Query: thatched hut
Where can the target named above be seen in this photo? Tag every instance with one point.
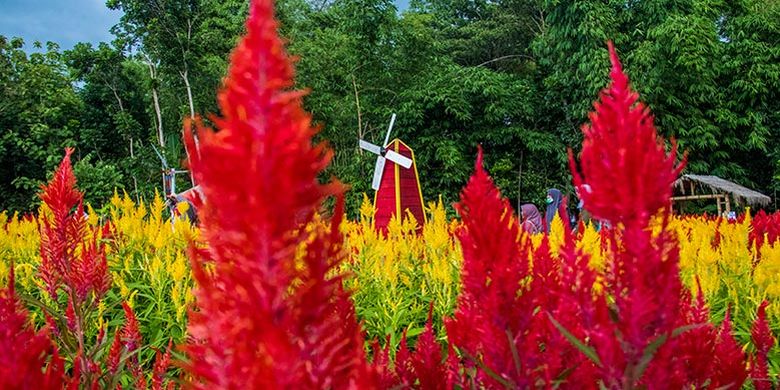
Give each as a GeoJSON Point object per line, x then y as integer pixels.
{"type": "Point", "coordinates": [696, 187]}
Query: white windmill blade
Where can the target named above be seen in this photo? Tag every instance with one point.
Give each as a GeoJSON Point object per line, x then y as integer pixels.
{"type": "Point", "coordinates": [389, 129]}
{"type": "Point", "coordinates": [370, 147]}
{"type": "Point", "coordinates": [398, 159]}
{"type": "Point", "coordinates": [162, 158]}
{"type": "Point", "coordinates": [379, 169]}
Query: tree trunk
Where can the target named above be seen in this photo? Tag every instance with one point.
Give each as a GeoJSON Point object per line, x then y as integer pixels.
{"type": "Point", "coordinates": [118, 99]}
{"type": "Point", "coordinates": [156, 100]}
{"type": "Point", "coordinates": [185, 76]}
{"type": "Point", "coordinates": [158, 112]}
{"type": "Point", "coordinates": [359, 118]}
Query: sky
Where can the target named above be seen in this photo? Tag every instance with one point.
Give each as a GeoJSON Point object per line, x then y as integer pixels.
{"type": "Point", "coordinates": [65, 22]}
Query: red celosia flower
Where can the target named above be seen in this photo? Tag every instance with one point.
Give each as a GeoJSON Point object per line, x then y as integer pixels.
{"type": "Point", "coordinates": [764, 229]}
{"type": "Point", "coordinates": [631, 175]}
{"type": "Point", "coordinates": [691, 345]}
{"type": "Point", "coordinates": [729, 366]}
{"type": "Point", "coordinates": [75, 380]}
{"type": "Point", "coordinates": [107, 231]}
{"type": "Point", "coordinates": [567, 293]}
{"type": "Point", "coordinates": [131, 340]}
{"type": "Point", "coordinates": [763, 341]}
{"type": "Point", "coordinates": [496, 321]}
{"type": "Point", "coordinates": [52, 326]}
{"type": "Point", "coordinates": [717, 238]}
{"type": "Point", "coordinates": [403, 364]}
{"type": "Point", "coordinates": [161, 363]}
{"type": "Point", "coordinates": [115, 353]}
{"type": "Point", "coordinates": [383, 365]}
{"type": "Point", "coordinates": [28, 360]}
{"type": "Point", "coordinates": [423, 369]}
{"type": "Point", "coordinates": [68, 257]}
{"type": "Point", "coordinates": [427, 362]}
{"type": "Point", "coordinates": [131, 335]}
{"type": "Point", "coordinates": [623, 159]}
{"type": "Point", "coordinates": [262, 319]}
{"type": "Point", "coordinates": [70, 316]}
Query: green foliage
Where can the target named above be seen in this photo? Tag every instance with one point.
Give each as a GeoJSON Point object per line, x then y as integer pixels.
{"type": "Point", "coordinates": [38, 118]}
{"type": "Point", "coordinates": [97, 180]}
{"type": "Point", "coordinates": [516, 76]}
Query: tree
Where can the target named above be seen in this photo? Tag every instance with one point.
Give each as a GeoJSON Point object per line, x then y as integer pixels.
{"type": "Point", "coordinates": [117, 125]}
{"type": "Point", "coordinates": [38, 118]}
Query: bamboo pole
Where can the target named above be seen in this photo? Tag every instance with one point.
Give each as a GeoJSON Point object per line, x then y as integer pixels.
{"type": "Point", "coordinates": [694, 197]}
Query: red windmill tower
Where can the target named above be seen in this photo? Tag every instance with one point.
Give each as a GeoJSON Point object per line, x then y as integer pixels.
{"type": "Point", "coordinates": [397, 184]}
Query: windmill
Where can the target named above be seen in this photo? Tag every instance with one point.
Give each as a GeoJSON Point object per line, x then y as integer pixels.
{"type": "Point", "coordinates": [397, 184]}
{"type": "Point", "coordinates": [384, 154]}
{"type": "Point", "coordinates": [168, 174]}
{"type": "Point", "coordinates": [192, 196]}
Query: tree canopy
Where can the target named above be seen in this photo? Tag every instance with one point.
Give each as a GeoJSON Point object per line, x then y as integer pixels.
{"type": "Point", "coordinates": [516, 76]}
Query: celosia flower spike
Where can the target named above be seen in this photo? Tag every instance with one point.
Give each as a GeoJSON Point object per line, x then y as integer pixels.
{"type": "Point", "coordinates": [23, 362]}
{"type": "Point", "coordinates": [68, 255]}
{"type": "Point", "coordinates": [266, 319]}
{"type": "Point", "coordinates": [424, 367]}
{"type": "Point", "coordinates": [60, 194]}
{"type": "Point", "coordinates": [161, 363]}
{"type": "Point", "coordinates": [621, 146]}
{"type": "Point", "coordinates": [763, 341]}
{"type": "Point", "coordinates": [492, 312]}
{"type": "Point", "coordinates": [729, 367]}
{"type": "Point", "coordinates": [630, 175]}
{"type": "Point", "coordinates": [115, 353]}
{"type": "Point", "coordinates": [131, 335]}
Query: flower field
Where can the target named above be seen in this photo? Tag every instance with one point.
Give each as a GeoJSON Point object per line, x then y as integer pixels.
{"type": "Point", "coordinates": [274, 290]}
{"type": "Point", "coordinates": [393, 278]}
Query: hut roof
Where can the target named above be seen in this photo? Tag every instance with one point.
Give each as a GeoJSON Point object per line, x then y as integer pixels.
{"type": "Point", "coordinates": [716, 184]}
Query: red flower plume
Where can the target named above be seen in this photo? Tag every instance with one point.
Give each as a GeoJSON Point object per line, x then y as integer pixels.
{"type": "Point", "coordinates": [424, 369]}
{"type": "Point", "coordinates": [29, 359]}
{"type": "Point", "coordinates": [729, 367]}
{"type": "Point", "coordinates": [623, 159]}
{"type": "Point", "coordinates": [264, 320]}
{"type": "Point", "coordinates": [493, 314]}
{"type": "Point", "coordinates": [131, 335]}
{"type": "Point", "coordinates": [630, 176]}
{"type": "Point", "coordinates": [161, 363]}
{"type": "Point", "coordinates": [68, 257]}
{"type": "Point", "coordinates": [764, 229]}
{"type": "Point", "coordinates": [763, 340]}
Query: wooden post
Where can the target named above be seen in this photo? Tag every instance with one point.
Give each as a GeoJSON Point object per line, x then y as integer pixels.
{"type": "Point", "coordinates": [728, 204]}
{"type": "Point", "coordinates": [720, 210]}
{"type": "Point", "coordinates": [520, 185]}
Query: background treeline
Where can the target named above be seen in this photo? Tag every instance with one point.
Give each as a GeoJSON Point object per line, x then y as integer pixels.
{"type": "Point", "coordinates": [517, 76]}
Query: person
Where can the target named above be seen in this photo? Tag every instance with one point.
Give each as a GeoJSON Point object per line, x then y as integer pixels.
{"type": "Point", "coordinates": [554, 200]}
{"type": "Point", "coordinates": [193, 198]}
{"type": "Point", "coordinates": [531, 219]}
{"type": "Point", "coordinates": [584, 214]}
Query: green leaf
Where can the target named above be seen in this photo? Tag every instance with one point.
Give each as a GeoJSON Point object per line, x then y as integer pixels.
{"type": "Point", "coordinates": [652, 348]}
{"type": "Point", "coordinates": [515, 354]}
{"type": "Point", "coordinates": [585, 349]}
